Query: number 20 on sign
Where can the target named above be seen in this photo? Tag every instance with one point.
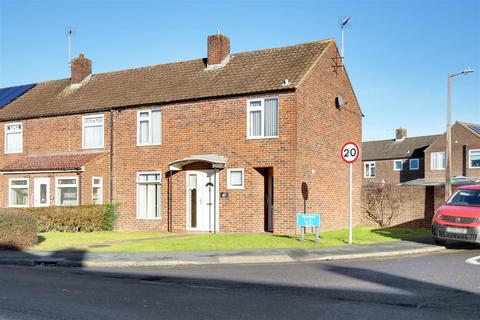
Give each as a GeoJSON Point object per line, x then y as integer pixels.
{"type": "Point", "coordinates": [349, 154]}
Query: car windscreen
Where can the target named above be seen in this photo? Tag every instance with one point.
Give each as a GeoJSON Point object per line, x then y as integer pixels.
{"type": "Point", "coordinates": [465, 198]}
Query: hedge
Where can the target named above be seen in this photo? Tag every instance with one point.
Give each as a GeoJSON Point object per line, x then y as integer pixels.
{"type": "Point", "coordinates": [74, 218]}
{"type": "Point", "coordinates": [18, 230]}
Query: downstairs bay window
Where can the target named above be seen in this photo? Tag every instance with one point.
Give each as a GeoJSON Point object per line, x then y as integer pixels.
{"type": "Point", "coordinates": [66, 191]}
{"type": "Point", "coordinates": [18, 193]}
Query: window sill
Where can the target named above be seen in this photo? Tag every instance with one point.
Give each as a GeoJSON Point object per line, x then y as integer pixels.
{"type": "Point", "coordinates": [13, 206]}
{"type": "Point", "coordinates": [139, 218]}
{"type": "Point", "coordinates": [235, 188]}
{"type": "Point", "coordinates": [259, 138]}
{"type": "Point", "coordinates": [14, 152]}
{"type": "Point", "coordinates": [149, 145]}
{"type": "Point", "coordinates": [93, 148]}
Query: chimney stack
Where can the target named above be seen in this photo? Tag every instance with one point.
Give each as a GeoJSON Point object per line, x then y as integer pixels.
{"type": "Point", "coordinates": [218, 49]}
{"type": "Point", "coordinates": [400, 134]}
{"type": "Point", "coordinates": [81, 67]}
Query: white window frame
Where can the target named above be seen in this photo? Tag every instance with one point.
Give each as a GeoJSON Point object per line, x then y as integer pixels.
{"type": "Point", "coordinates": [470, 158]}
{"type": "Point", "coordinates": [261, 108]}
{"type": "Point", "coordinates": [93, 125]}
{"type": "Point", "coordinates": [229, 185]}
{"type": "Point", "coordinates": [394, 166]}
{"type": "Point", "coordinates": [57, 197]}
{"type": "Point", "coordinates": [370, 163]}
{"type": "Point", "coordinates": [150, 127]}
{"type": "Point", "coordinates": [138, 182]}
{"type": "Point", "coordinates": [431, 161]}
{"type": "Point", "coordinates": [10, 187]}
{"type": "Point", "coordinates": [14, 131]}
{"type": "Point", "coordinates": [412, 168]}
{"type": "Point", "coordinates": [100, 186]}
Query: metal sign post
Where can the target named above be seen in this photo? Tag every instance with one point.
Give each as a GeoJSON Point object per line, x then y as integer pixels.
{"type": "Point", "coordinates": [350, 153]}
{"type": "Point", "coordinates": [305, 220]}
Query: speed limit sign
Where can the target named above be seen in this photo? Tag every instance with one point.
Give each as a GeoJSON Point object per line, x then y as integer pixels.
{"type": "Point", "coordinates": [350, 152]}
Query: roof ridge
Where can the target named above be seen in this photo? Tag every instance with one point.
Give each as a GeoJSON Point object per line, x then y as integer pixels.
{"type": "Point", "coordinates": [393, 140]}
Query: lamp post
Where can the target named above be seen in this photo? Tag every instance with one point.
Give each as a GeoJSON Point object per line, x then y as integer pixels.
{"type": "Point", "coordinates": [448, 151]}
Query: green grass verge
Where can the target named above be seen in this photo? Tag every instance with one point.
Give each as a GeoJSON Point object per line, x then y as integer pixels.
{"type": "Point", "coordinates": [201, 242]}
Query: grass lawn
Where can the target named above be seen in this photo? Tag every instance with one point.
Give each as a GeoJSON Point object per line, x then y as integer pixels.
{"type": "Point", "coordinates": [138, 241]}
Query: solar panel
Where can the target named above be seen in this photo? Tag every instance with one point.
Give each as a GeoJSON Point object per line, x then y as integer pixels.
{"type": "Point", "coordinates": [475, 128]}
{"type": "Point", "coordinates": [7, 95]}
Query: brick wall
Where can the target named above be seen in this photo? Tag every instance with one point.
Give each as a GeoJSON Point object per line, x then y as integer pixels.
{"type": "Point", "coordinates": [322, 130]}
{"type": "Point", "coordinates": [417, 209]}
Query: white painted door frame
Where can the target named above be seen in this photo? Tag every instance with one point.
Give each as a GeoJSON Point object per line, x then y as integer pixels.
{"type": "Point", "coordinates": [37, 200]}
{"type": "Point", "coordinates": [209, 213]}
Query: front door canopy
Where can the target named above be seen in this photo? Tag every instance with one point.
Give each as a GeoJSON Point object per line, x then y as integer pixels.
{"type": "Point", "coordinates": [218, 162]}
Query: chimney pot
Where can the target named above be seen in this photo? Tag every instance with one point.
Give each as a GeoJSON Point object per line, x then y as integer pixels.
{"type": "Point", "coordinates": [400, 134]}
{"type": "Point", "coordinates": [218, 49]}
{"type": "Point", "coordinates": [80, 68]}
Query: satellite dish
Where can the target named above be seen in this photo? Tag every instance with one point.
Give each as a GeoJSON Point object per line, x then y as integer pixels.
{"type": "Point", "coordinates": [339, 102]}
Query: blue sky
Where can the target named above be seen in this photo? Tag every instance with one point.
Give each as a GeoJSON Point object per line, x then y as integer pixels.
{"type": "Point", "coordinates": [398, 53]}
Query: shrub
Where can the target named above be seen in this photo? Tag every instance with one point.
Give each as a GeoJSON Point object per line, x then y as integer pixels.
{"type": "Point", "coordinates": [18, 230]}
{"type": "Point", "coordinates": [382, 204]}
{"type": "Point", "coordinates": [74, 218]}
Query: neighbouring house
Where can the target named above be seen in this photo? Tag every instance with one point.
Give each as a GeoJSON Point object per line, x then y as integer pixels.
{"type": "Point", "coordinates": [421, 160]}
{"type": "Point", "coordinates": [225, 143]}
{"type": "Point", "coordinates": [396, 160]}
{"type": "Point", "coordinates": [465, 139]}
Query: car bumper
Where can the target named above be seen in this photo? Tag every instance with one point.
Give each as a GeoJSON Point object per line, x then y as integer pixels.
{"type": "Point", "coordinates": [440, 231]}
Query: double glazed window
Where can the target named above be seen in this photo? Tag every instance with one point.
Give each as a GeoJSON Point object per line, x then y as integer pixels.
{"type": "Point", "coordinates": [397, 165]}
{"type": "Point", "coordinates": [235, 179]}
{"type": "Point", "coordinates": [369, 169]}
{"type": "Point", "coordinates": [438, 160]}
{"type": "Point", "coordinates": [149, 127]}
{"type": "Point", "coordinates": [414, 164]}
{"type": "Point", "coordinates": [93, 132]}
{"type": "Point", "coordinates": [66, 191]}
{"type": "Point", "coordinates": [474, 158]}
{"type": "Point", "coordinates": [13, 138]}
{"type": "Point", "coordinates": [97, 190]}
{"type": "Point", "coordinates": [149, 195]}
{"type": "Point", "coordinates": [18, 193]}
{"type": "Point", "coordinates": [262, 118]}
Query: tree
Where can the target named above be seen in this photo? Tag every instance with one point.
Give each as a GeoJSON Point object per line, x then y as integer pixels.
{"type": "Point", "coordinates": [382, 204]}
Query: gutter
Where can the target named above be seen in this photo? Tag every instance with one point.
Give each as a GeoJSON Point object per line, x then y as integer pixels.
{"type": "Point", "coordinates": [42, 171]}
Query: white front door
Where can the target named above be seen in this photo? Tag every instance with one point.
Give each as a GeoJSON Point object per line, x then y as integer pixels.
{"type": "Point", "coordinates": [202, 201]}
{"type": "Point", "coordinates": [41, 192]}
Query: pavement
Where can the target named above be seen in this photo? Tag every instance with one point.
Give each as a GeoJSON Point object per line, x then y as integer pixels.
{"type": "Point", "coordinates": [79, 258]}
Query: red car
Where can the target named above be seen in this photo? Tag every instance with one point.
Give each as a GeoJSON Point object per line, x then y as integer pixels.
{"type": "Point", "coordinates": [459, 218]}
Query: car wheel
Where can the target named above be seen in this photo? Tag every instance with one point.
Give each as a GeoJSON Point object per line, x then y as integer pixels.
{"type": "Point", "coordinates": [440, 242]}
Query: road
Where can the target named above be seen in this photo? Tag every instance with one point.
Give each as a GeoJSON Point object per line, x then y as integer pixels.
{"type": "Point", "coordinates": [436, 286]}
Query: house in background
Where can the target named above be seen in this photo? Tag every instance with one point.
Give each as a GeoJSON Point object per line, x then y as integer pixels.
{"type": "Point", "coordinates": [421, 160]}
{"type": "Point", "coordinates": [223, 143]}
{"type": "Point", "coordinates": [396, 160]}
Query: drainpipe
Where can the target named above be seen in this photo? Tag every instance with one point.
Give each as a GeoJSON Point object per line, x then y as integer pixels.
{"type": "Point", "coordinates": [111, 155]}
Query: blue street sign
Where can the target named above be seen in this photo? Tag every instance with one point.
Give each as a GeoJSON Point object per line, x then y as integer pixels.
{"type": "Point", "coordinates": [308, 220]}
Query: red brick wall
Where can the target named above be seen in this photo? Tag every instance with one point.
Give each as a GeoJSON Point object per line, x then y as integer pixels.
{"type": "Point", "coordinates": [57, 135]}
{"type": "Point", "coordinates": [321, 132]}
{"type": "Point", "coordinates": [462, 141]}
{"type": "Point", "coordinates": [206, 127]}
{"type": "Point", "coordinates": [418, 207]}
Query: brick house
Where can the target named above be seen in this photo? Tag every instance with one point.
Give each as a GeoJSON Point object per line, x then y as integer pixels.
{"type": "Point", "coordinates": [222, 143]}
{"type": "Point", "coordinates": [408, 161]}
{"type": "Point", "coordinates": [465, 154]}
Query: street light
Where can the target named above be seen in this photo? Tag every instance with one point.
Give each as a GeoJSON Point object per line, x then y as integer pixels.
{"type": "Point", "coordinates": [448, 151]}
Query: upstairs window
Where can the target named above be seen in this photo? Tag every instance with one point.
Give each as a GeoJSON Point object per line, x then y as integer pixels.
{"type": "Point", "coordinates": [438, 160]}
{"type": "Point", "coordinates": [414, 164]}
{"type": "Point", "coordinates": [93, 132]}
{"type": "Point", "coordinates": [18, 193]}
{"type": "Point", "coordinates": [397, 165]}
{"type": "Point", "coordinates": [262, 118]}
{"type": "Point", "coordinates": [369, 169]}
{"type": "Point", "coordinates": [474, 158]}
{"type": "Point", "coordinates": [149, 127]}
{"type": "Point", "coordinates": [13, 138]}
